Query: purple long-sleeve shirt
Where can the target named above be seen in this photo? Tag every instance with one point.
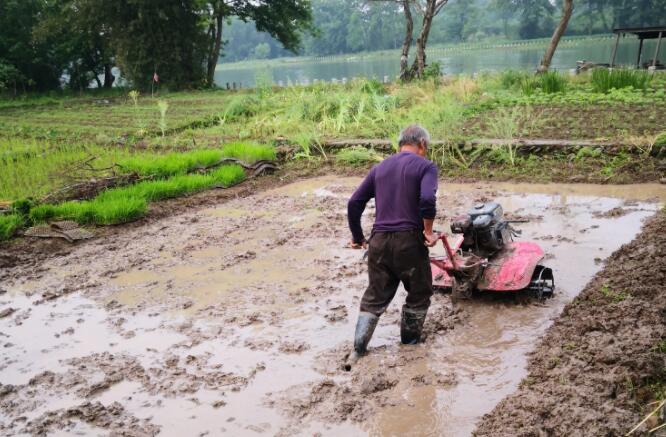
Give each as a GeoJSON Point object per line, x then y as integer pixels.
{"type": "Point", "coordinates": [405, 190]}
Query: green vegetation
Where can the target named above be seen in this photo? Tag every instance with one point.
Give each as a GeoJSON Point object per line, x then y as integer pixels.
{"type": "Point", "coordinates": [9, 224]}
{"type": "Point", "coordinates": [615, 296]}
{"type": "Point", "coordinates": [357, 156]}
{"type": "Point", "coordinates": [121, 205]}
{"type": "Point", "coordinates": [48, 143]}
{"type": "Point", "coordinates": [605, 80]}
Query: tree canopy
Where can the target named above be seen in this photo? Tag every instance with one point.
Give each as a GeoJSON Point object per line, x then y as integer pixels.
{"type": "Point", "coordinates": [79, 41]}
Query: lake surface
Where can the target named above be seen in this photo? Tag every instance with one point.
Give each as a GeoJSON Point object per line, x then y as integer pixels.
{"type": "Point", "coordinates": [453, 61]}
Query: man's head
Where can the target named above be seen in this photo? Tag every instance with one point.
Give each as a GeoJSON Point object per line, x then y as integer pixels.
{"type": "Point", "coordinates": [414, 139]}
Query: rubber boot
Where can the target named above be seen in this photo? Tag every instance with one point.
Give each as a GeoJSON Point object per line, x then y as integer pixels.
{"type": "Point", "coordinates": [411, 325]}
{"type": "Point", "coordinates": [365, 327]}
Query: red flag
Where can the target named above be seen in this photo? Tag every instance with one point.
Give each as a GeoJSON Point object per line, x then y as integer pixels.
{"type": "Point", "coordinates": [156, 78]}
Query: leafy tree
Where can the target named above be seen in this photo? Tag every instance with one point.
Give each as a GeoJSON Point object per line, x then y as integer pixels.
{"type": "Point", "coordinates": [27, 64]}
{"type": "Point", "coordinates": [80, 34]}
{"type": "Point", "coordinates": [262, 51]}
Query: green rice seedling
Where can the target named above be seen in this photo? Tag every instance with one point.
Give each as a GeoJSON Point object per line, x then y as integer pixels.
{"type": "Point", "coordinates": [9, 225]}
{"type": "Point", "coordinates": [147, 164]}
{"type": "Point", "coordinates": [113, 212]}
{"type": "Point", "coordinates": [32, 168]}
{"type": "Point", "coordinates": [604, 79]}
{"type": "Point", "coordinates": [357, 156]}
{"type": "Point", "coordinates": [248, 152]}
{"type": "Point", "coordinates": [163, 106]}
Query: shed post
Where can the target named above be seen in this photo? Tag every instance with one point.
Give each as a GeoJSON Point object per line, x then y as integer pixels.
{"type": "Point", "coordinates": [617, 43]}
{"type": "Point", "coordinates": [640, 52]}
{"type": "Point", "coordinates": [656, 51]}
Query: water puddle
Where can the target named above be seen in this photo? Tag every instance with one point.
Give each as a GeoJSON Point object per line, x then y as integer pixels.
{"type": "Point", "coordinates": [225, 320]}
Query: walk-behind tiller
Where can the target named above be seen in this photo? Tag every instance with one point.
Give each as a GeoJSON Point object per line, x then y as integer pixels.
{"type": "Point", "coordinates": [484, 257]}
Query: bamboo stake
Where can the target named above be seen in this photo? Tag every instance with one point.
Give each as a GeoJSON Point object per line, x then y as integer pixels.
{"type": "Point", "coordinates": [646, 418]}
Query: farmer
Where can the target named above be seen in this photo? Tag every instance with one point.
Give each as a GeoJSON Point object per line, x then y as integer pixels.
{"type": "Point", "coordinates": [404, 187]}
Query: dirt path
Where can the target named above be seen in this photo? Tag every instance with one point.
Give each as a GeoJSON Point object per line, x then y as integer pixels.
{"type": "Point", "coordinates": [235, 318]}
{"type": "Point", "coordinates": [592, 374]}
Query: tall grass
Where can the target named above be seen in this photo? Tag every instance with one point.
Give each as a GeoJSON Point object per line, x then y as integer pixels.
{"type": "Point", "coordinates": [604, 80]}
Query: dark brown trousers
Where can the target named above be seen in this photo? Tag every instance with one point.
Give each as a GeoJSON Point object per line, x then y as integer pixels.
{"type": "Point", "coordinates": [395, 257]}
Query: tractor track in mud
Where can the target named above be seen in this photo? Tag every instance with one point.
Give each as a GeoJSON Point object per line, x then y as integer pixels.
{"type": "Point", "coordinates": [591, 373]}
{"type": "Point", "coordinates": [231, 312]}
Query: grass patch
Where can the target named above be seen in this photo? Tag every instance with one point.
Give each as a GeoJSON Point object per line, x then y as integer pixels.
{"type": "Point", "coordinates": [9, 224]}
{"type": "Point", "coordinates": [122, 205]}
{"type": "Point", "coordinates": [604, 79]}
{"type": "Point", "coordinates": [357, 156]}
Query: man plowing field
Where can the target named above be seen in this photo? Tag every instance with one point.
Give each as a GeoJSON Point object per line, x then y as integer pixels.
{"type": "Point", "coordinates": [404, 187]}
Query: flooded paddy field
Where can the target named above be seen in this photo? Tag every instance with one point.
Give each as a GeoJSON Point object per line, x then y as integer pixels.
{"type": "Point", "coordinates": [236, 319]}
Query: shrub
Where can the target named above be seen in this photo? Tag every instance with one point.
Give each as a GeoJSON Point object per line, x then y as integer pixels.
{"type": "Point", "coordinates": [604, 80]}
{"type": "Point", "coordinates": [432, 71]}
{"type": "Point", "coordinates": [9, 224]}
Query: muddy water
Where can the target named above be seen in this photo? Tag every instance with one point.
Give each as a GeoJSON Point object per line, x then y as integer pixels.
{"type": "Point", "coordinates": [235, 320]}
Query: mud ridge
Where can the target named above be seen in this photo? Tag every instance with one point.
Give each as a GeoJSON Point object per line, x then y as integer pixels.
{"type": "Point", "coordinates": [596, 369]}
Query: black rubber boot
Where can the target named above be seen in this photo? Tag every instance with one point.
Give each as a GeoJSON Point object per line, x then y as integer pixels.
{"type": "Point", "coordinates": [411, 325]}
{"type": "Point", "coordinates": [365, 327]}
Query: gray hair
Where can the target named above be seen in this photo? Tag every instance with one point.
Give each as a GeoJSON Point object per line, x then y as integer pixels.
{"type": "Point", "coordinates": [413, 134]}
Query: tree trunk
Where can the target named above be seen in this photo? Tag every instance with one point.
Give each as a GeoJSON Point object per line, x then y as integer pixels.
{"type": "Point", "coordinates": [429, 12]}
{"type": "Point", "coordinates": [214, 54]}
{"type": "Point", "coordinates": [109, 78]}
{"type": "Point", "coordinates": [567, 10]}
{"type": "Point", "coordinates": [409, 35]}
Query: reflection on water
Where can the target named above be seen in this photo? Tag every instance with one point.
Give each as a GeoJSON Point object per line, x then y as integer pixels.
{"type": "Point", "coordinates": [461, 62]}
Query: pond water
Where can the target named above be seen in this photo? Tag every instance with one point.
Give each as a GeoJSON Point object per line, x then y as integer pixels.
{"type": "Point", "coordinates": [516, 57]}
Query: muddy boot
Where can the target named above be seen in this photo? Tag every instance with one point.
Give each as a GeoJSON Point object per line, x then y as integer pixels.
{"type": "Point", "coordinates": [411, 325]}
{"type": "Point", "coordinates": [365, 327]}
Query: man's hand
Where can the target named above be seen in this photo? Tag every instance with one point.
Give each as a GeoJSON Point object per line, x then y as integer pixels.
{"type": "Point", "coordinates": [431, 238]}
{"type": "Point", "coordinates": [362, 245]}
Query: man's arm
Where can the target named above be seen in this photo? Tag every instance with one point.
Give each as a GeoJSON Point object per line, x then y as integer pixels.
{"type": "Point", "coordinates": [428, 203]}
{"type": "Point", "coordinates": [356, 206]}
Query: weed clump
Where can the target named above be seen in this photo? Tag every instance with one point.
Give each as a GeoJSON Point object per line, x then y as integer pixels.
{"type": "Point", "coordinates": [604, 80]}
